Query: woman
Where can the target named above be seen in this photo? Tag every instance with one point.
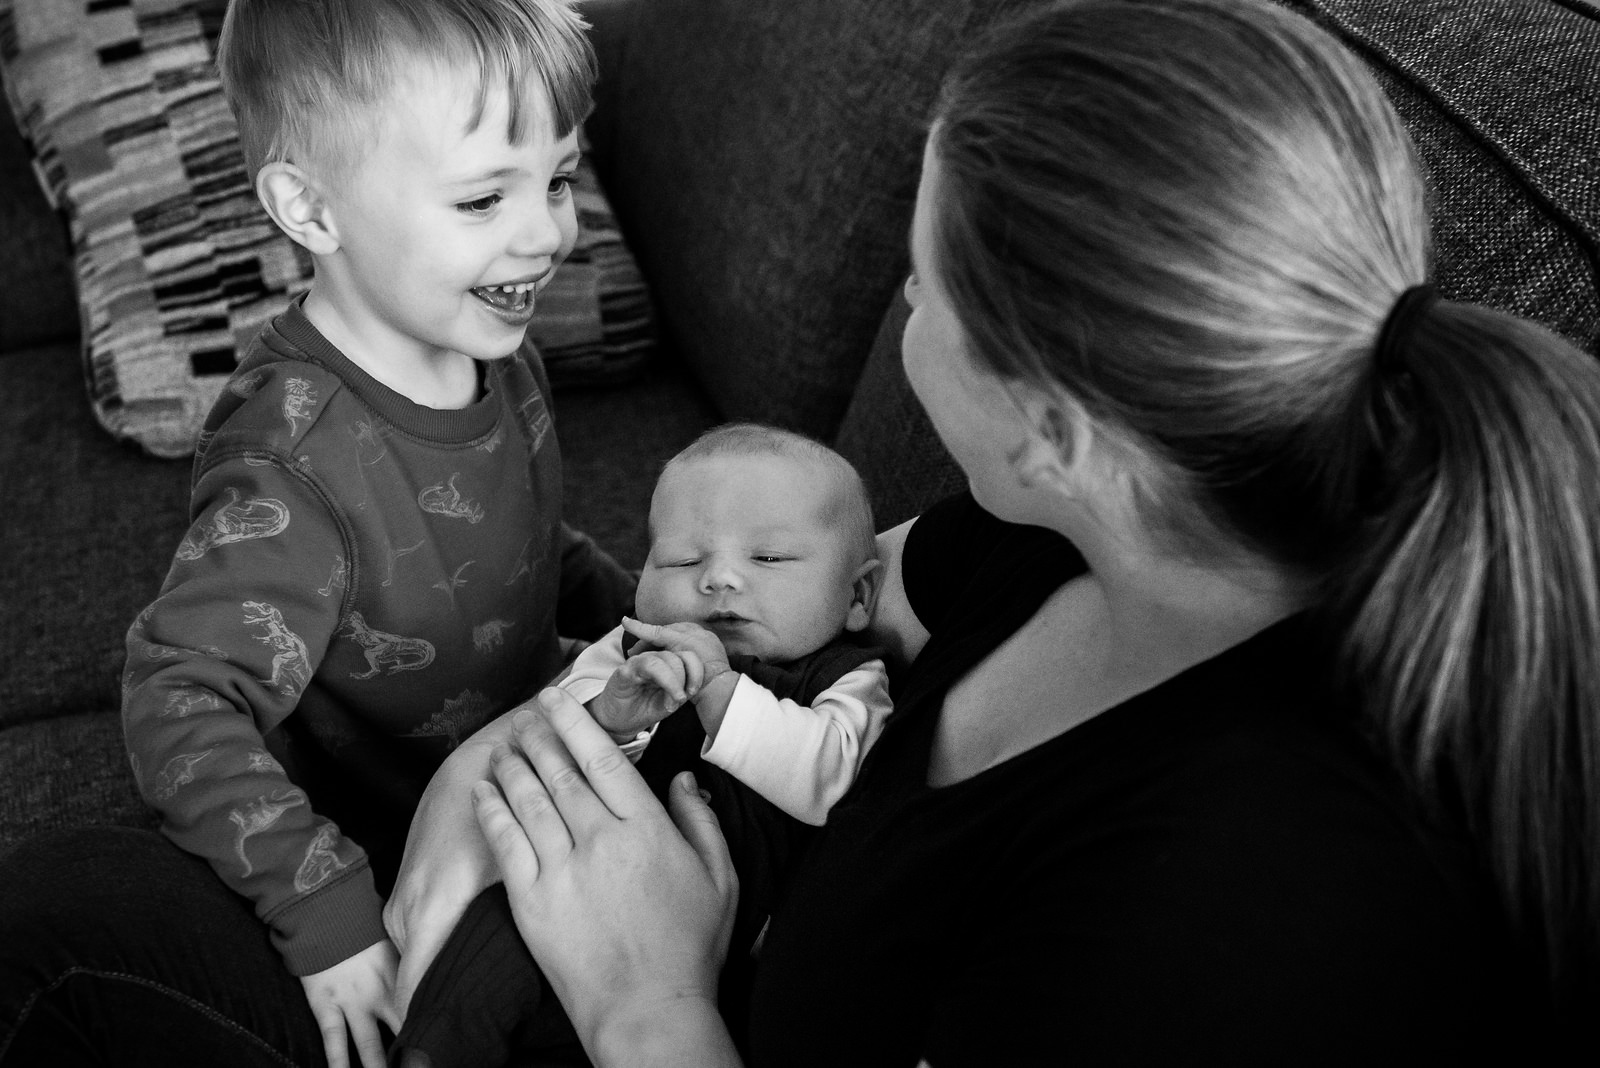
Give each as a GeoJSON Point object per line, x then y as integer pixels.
{"type": "Point", "coordinates": [1263, 650]}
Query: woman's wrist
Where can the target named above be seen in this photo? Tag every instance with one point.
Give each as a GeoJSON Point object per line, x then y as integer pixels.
{"type": "Point", "coordinates": [662, 1034]}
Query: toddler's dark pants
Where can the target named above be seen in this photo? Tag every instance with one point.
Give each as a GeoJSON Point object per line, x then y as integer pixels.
{"type": "Point", "coordinates": [118, 948]}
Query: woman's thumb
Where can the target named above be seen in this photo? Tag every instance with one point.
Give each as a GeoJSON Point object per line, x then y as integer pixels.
{"type": "Point", "coordinates": [688, 805]}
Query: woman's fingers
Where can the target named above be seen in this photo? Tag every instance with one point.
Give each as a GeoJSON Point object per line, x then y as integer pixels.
{"type": "Point", "coordinates": [519, 864]}
{"type": "Point", "coordinates": [529, 796]}
{"type": "Point", "coordinates": [699, 827]}
{"type": "Point", "coordinates": [589, 778]}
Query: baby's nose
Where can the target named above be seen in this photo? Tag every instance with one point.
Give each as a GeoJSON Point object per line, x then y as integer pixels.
{"type": "Point", "coordinates": [720, 574]}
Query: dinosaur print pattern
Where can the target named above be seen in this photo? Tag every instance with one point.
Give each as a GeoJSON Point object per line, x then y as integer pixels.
{"type": "Point", "coordinates": [453, 583]}
{"type": "Point", "coordinates": [258, 517]}
{"type": "Point", "coordinates": [320, 861]}
{"type": "Point", "coordinates": [257, 816]}
{"type": "Point", "coordinates": [338, 579]}
{"type": "Point", "coordinates": [536, 417]}
{"type": "Point", "coordinates": [386, 653]}
{"type": "Point", "coordinates": [259, 760]}
{"type": "Point", "coordinates": [445, 499]}
{"type": "Point", "coordinates": [187, 700]}
{"type": "Point", "coordinates": [298, 401]}
{"type": "Point", "coordinates": [486, 637]}
{"type": "Point", "coordinates": [461, 715]}
{"type": "Point", "coordinates": [248, 385]}
{"type": "Point", "coordinates": [178, 773]}
{"type": "Point", "coordinates": [369, 443]}
{"type": "Point", "coordinates": [291, 661]}
{"type": "Point", "coordinates": [394, 558]}
{"type": "Point", "coordinates": [524, 564]}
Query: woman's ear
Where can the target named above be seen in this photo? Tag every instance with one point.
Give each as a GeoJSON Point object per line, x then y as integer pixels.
{"type": "Point", "coordinates": [1058, 438]}
{"type": "Point", "coordinates": [864, 588]}
{"type": "Point", "coordinates": [297, 206]}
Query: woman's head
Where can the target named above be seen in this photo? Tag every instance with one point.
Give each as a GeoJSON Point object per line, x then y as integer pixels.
{"type": "Point", "coordinates": [1190, 220]}
{"type": "Point", "coordinates": [1190, 216]}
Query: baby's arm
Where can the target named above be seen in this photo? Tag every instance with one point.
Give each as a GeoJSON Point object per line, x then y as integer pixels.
{"type": "Point", "coordinates": [802, 759]}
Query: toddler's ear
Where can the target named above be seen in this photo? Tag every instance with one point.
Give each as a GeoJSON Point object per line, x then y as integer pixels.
{"type": "Point", "coordinates": [297, 207]}
{"type": "Point", "coordinates": [864, 588]}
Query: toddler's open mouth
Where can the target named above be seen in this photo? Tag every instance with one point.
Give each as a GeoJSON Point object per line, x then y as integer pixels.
{"type": "Point", "coordinates": [515, 299]}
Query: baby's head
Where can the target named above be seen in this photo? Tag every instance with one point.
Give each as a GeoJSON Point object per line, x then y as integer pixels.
{"type": "Point", "coordinates": [763, 536]}
{"type": "Point", "coordinates": [422, 151]}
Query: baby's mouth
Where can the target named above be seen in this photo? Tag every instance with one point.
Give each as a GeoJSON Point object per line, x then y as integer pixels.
{"type": "Point", "coordinates": [512, 298]}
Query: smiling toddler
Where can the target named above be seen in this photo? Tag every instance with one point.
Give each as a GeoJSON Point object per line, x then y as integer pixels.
{"type": "Point", "coordinates": [377, 563]}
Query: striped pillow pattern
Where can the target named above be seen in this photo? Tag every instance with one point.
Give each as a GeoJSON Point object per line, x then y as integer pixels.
{"type": "Point", "coordinates": [177, 265]}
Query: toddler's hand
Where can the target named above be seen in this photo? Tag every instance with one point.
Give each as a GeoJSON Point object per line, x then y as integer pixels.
{"type": "Point", "coordinates": [350, 998]}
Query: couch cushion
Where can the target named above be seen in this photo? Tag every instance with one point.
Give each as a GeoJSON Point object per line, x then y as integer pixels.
{"type": "Point", "coordinates": [763, 158]}
{"type": "Point", "coordinates": [1502, 99]}
{"type": "Point", "coordinates": [68, 772]}
{"type": "Point", "coordinates": [177, 266]}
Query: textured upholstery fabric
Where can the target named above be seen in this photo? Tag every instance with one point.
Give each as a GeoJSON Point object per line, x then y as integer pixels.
{"type": "Point", "coordinates": [789, 136]}
{"type": "Point", "coordinates": [1502, 100]}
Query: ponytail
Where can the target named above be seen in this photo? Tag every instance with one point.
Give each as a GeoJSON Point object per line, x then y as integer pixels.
{"type": "Point", "coordinates": [1471, 619]}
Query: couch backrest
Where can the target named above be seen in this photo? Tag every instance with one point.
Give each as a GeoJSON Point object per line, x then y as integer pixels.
{"type": "Point", "coordinates": [763, 156]}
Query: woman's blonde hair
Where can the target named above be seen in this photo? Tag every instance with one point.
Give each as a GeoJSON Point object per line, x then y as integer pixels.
{"type": "Point", "coordinates": [304, 76]}
{"type": "Point", "coordinates": [1194, 216]}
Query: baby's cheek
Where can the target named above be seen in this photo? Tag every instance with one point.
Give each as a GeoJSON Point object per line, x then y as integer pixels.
{"type": "Point", "coordinates": [654, 602]}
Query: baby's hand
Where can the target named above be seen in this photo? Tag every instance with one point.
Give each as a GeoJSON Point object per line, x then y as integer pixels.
{"type": "Point", "coordinates": [688, 640]}
{"type": "Point", "coordinates": [670, 667]}
{"type": "Point", "coordinates": [646, 689]}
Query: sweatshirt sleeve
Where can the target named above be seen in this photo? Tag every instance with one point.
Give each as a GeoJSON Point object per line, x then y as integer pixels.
{"type": "Point", "coordinates": [802, 759]}
{"type": "Point", "coordinates": [214, 664]}
{"type": "Point", "coordinates": [594, 666]}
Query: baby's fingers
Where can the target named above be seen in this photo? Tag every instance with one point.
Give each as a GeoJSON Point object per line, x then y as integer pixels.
{"type": "Point", "coordinates": [666, 671]}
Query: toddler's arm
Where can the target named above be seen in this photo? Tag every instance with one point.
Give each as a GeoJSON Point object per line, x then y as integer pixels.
{"type": "Point", "coordinates": [215, 663]}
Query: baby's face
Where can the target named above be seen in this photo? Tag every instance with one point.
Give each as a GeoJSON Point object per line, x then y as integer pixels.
{"type": "Point", "coordinates": [749, 547]}
{"type": "Point", "coordinates": [447, 233]}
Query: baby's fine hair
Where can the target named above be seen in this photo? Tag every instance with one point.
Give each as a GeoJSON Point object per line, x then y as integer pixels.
{"type": "Point", "coordinates": [1192, 218]}
{"type": "Point", "coordinates": [303, 76]}
{"type": "Point", "coordinates": [853, 505]}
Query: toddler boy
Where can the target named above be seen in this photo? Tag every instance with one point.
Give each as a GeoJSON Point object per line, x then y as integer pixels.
{"type": "Point", "coordinates": [762, 566]}
{"type": "Point", "coordinates": [377, 563]}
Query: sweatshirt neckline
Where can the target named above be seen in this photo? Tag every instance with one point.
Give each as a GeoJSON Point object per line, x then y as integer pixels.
{"type": "Point", "coordinates": [447, 426]}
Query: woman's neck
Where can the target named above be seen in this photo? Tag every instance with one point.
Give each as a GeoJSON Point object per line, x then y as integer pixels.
{"type": "Point", "coordinates": [1163, 609]}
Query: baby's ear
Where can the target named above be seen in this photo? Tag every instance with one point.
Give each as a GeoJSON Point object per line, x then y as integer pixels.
{"type": "Point", "coordinates": [864, 587]}
{"type": "Point", "coordinates": [296, 205]}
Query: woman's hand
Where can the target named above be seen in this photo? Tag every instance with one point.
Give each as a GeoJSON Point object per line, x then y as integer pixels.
{"type": "Point", "coordinates": [628, 910]}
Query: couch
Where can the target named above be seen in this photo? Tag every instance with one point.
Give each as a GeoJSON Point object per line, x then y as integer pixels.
{"type": "Point", "coordinates": [762, 158]}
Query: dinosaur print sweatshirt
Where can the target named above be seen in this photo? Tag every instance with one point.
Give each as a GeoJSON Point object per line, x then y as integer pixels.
{"type": "Point", "coordinates": [365, 582]}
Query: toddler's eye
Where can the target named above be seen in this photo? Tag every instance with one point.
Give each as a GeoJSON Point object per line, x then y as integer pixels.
{"type": "Point", "coordinates": [768, 559]}
{"type": "Point", "coordinates": [481, 206]}
{"type": "Point", "coordinates": [562, 184]}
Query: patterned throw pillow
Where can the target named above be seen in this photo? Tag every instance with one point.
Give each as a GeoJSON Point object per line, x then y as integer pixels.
{"type": "Point", "coordinates": [177, 265]}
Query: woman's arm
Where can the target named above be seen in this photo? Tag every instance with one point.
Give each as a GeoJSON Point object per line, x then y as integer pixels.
{"type": "Point", "coordinates": [894, 625]}
{"type": "Point", "coordinates": [627, 909]}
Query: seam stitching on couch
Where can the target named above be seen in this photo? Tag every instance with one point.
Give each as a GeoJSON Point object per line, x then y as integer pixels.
{"type": "Point", "coordinates": [177, 995]}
